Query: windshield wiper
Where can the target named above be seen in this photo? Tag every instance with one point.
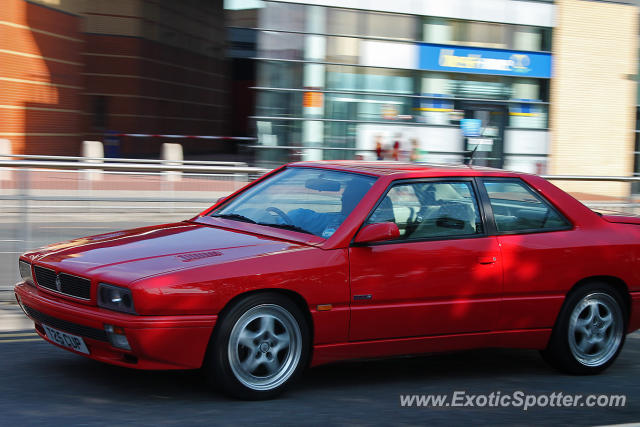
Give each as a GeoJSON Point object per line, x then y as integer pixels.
{"type": "Point", "coordinates": [286, 227]}
{"type": "Point", "coordinates": [235, 217]}
{"type": "Point", "coordinates": [238, 217]}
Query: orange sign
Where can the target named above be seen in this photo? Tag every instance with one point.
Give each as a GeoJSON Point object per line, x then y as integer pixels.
{"type": "Point", "coordinates": [312, 99]}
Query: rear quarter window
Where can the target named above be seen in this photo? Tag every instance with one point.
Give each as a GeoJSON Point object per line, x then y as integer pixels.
{"type": "Point", "coordinates": [518, 208]}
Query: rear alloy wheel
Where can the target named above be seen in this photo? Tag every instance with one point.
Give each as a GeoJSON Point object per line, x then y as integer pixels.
{"type": "Point", "coordinates": [590, 331]}
{"type": "Point", "coordinates": [260, 347]}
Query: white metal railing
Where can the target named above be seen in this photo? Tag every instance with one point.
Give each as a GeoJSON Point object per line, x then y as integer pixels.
{"type": "Point", "coordinates": [120, 160]}
{"type": "Point", "coordinates": [591, 178]}
{"type": "Point", "coordinates": [113, 166]}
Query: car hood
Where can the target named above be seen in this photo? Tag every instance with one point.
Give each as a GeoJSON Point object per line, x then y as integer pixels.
{"type": "Point", "coordinates": [126, 256]}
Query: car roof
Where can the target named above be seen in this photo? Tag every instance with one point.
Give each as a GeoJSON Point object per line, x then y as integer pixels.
{"type": "Point", "coordinates": [384, 168]}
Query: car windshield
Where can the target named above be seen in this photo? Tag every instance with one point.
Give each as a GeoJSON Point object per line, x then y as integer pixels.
{"type": "Point", "coordinates": [308, 200]}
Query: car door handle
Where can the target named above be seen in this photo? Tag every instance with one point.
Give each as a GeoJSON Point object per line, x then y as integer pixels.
{"type": "Point", "coordinates": [486, 260]}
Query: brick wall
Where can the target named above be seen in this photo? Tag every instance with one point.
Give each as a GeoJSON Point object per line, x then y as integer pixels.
{"type": "Point", "coordinates": [160, 70]}
{"type": "Point", "coordinates": [40, 78]}
{"type": "Point", "coordinates": [593, 93]}
{"type": "Point", "coordinates": [80, 68]}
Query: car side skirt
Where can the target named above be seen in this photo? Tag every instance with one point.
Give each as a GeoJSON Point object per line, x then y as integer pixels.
{"type": "Point", "coordinates": [530, 338]}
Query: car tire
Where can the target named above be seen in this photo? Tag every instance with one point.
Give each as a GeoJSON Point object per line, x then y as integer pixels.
{"type": "Point", "coordinates": [260, 346]}
{"type": "Point", "coordinates": [589, 332]}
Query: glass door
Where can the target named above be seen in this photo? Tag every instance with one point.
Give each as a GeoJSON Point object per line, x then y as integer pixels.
{"type": "Point", "coordinates": [489, 145]}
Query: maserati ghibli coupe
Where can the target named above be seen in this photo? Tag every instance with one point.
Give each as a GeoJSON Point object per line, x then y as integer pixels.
{"type": "Point", "coordinates": [317, 262]}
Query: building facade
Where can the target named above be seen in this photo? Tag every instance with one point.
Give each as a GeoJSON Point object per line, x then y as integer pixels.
{"type": "Point", "coordinates": [533, 85]}
{"type": "Point", "coordinates": [530, 85]}
{"type": "Point", "coordinates": [594, 92]}
{"type": "Point", "coordinates": [72, 70]}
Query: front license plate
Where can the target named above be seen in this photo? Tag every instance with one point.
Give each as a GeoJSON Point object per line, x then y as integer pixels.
{"type": "Point", "coordinates": [66, 340]}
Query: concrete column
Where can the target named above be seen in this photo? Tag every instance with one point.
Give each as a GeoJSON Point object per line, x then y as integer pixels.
{"type": "Point", "coordinates": [434, 110]}
{"type": "Point", "coordinates": [92, 151]}
{"type": "Point", "coordinates": [315, 49]}
{"type": "Point", "coordinates": [173, 156]}
{"type": "Point", "coordinates": [437, 30]}
{"type": "Point", "coordinates": [593, 94]}
{"type": "Point", "coordinates": [5, 148]}
{"type": "Point", "coordinates": [526, 38]}
{"type": "Point", "coordinates": [527, 89]}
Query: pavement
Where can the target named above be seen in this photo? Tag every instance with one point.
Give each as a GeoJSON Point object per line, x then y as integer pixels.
{"type": "Point", "coordinates": [12, 318]}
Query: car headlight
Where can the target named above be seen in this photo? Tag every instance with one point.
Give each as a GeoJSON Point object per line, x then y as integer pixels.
{"type": "Point", "coordinates": [115, 298]}
{"type": "Point", "coordinates": [25, 272]}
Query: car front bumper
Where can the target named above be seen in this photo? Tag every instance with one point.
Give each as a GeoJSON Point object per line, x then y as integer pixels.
{"type": "Point", "coordinates": [157, 342]}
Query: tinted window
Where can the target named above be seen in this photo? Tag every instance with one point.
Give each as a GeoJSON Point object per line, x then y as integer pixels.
{"type": "Point", "coordinates": [430, 209]}
{"type": "Point", "coordinates": [516, 207]}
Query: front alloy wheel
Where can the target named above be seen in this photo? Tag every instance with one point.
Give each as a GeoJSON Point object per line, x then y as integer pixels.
{"type": "Point", "coordinates": [265, 346]}
{"type": "Point", "coordinates": [259, 347]}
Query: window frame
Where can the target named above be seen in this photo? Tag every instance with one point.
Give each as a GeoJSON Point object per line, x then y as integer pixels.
{"type": "Point", "coordinates": [480, 203]}
{"type": "Point", "coordinates": [492, 225]}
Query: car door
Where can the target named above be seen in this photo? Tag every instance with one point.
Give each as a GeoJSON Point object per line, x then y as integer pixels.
{"type": "Point", "coordinates": [443, 275]}
{"type": "Point", "coordinates": [539, 246]}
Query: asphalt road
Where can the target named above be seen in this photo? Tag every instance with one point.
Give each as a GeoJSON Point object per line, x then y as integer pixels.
{"type": "Point", "coordinates": [41, 384]}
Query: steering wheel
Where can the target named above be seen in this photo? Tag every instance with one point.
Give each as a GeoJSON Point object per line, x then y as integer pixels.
{"type": "Point", "coordinates": [280, 213]}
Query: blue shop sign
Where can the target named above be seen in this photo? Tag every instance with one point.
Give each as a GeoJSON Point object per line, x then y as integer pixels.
{"type": "Point", "coordinates": [437, 57]}
{"type": "Point", "coordinates": [471, 127]}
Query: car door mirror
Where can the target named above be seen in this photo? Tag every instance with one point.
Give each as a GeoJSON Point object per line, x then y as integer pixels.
{"type": "Point", "coordinates": [378, 232]}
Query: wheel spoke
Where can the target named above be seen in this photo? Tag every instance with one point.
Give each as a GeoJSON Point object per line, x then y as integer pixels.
{"type": "Point", "coordinates": [251, 363]}
{"type": "Point", "coordinates": [246, 338]}
{"type": "Point", "coordinates": [598, 345]}
{"type": "Point", "coordinates": [282, 343]}
{"type": "Point", "coordinates": [266, 325]}
{"type": "Point", "coordinates": [592, 312]}
{"type": "Point", "coordinates": [581, 322]}
{"type": "Point", "coordinates": [584, 345]}
{"type": "Point", "coordinates": [272, 365]}
{"type": "Point", "coordinates": [581, 327]}
{"type": "Point", "coordinates": [607, 321]}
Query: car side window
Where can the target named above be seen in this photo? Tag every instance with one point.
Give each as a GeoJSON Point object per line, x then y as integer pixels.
{"type": "Point", "coordinates": [425, 210]}
{"type": "Point", "coordinates": [516, 207]}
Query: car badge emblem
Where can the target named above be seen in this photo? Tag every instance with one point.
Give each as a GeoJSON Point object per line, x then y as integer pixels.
{"type": "Point", "coordinates": [58, 284]}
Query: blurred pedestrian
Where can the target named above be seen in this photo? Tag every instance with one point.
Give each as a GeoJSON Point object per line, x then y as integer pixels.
{"type": "Point", "coordinates": [395, 154]}
{"type": "Point", "coordinates": [379, 150]}
{"type": "Point", "coordinates": [415, 150]}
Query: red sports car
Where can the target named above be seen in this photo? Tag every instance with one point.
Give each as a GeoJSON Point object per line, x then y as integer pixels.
{"type": "Point", "coordinates": [323, 261]}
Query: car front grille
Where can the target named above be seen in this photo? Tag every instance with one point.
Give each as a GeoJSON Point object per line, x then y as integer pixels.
{"type": "Point", "coordinates": [68, 284]}
{"type": "Point", "coordinates": [63, 325]}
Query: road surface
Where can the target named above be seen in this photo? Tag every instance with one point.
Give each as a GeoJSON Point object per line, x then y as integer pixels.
{"type": "Point", "coordinates": [41, 384]}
